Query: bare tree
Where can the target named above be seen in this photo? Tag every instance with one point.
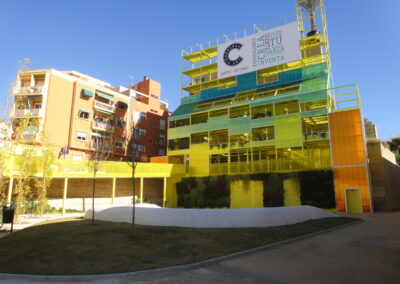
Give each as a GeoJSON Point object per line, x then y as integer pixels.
{"type": "Point", "coordinates": [102, 148]}
{"type": "Point", "coordinates": [311, 6]}
{"type": "Point", "coordinates": [132, 139]}
{"type": "Point", "coordinates": [46, 160]}
{"type": "Point", "coordinates": [132, 146]}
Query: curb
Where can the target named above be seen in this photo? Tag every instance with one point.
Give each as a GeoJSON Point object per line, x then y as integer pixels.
{"type": "Point", "coordinates": [75, 278]}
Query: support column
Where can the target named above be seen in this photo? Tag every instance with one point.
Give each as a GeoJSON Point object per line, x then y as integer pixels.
{"type": "Point", "coordinates": [165, 192]}
{"type": "Point", "coordinates": [113, 190]}
{"type": "Point", "coordinates": [64, 194]}
{"type": "Point", "coordinates": [10, 189]}
{"type": "Point", "coordinates": [141, 189]}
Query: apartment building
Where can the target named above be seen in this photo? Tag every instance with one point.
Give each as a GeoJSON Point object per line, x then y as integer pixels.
{"type": "Point", "coordinates": [260, 107]}
{"type": "Point", "coordinates": [74, 113]}
{"type": "Point", "coordinates": [5, 132]}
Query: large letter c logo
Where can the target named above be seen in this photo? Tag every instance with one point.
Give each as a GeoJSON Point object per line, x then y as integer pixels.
{"type": "Point", "coordinates": [228, 50]}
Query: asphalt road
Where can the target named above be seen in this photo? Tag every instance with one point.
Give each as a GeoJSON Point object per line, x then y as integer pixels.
{"type": "Point", "coordinates": [367, 252]}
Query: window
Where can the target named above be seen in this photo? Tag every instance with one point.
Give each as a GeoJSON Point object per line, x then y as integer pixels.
{"type": "Point", "coordinates": [203, 106]}
{"type": "Point", "coordinates": [153, 110]}
{"type": "Point", "coordinates": [162, 139]}
{"type": "Point", "coordinates": [161, 152]}
{"type": "Point", "coordinates": [219, 138]}
{"type": "Point", "coordinates": [37, 105]}
{"type": "Point", "coordinates": [142, 132]}
{"type": "Point", "coordinates": [143, 116]}
{"type": "Point", "coordinates": [179, 123]}
{"type": "Point", "coordinates": [178, 144]}
{"type": "Point", "coordinates": [162, 124]}
{"type": "Point", "coordinates": [217, 113]}
{"type": "Point", "coordinates": [199, 138]}
{"type": "Point", "coordinates": [241, 111]}
{"type": "Point", "coordinates": [77, 157]}
{"type": "Point", "coordinates": [140, 148]}
{"type": "Point", "coordinates": [121, 123]}
{"type": "Point", "coordinates": [287, 107]}
{"type": "Point", "coordinates": [81, 136]}
{"type": "Point", "coordinates": [199, 118]}
{"type": "Point", "coordinates": [84, 114]}
{"type": "Point", "coordinates": [119, 144]}
{"type": "Point", "coordinates": [263, 133]}
{"type": "Point", "coordinates": [262, 111]}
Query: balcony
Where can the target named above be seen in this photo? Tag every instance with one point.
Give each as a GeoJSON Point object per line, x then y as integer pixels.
{"type": "Point", "coordinates": [104, 107]}
{"type": "Point", "coordinates": [36, 90]}
{"type": "Point", "coordinates": [27, 136]}
{"type": "Point", "coordinates": [37, 112]}
{"type": "Point", "coordinates": [103, 126]}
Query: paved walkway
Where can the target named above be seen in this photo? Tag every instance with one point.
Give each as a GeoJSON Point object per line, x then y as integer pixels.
{"type": "Point", "coordinates": [26, 220]}
{"type": "Point", "coordinates": [368, 252]}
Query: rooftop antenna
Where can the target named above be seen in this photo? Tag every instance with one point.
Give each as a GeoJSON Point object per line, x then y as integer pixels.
{"type": "Point", "coordinates": [132, 78]}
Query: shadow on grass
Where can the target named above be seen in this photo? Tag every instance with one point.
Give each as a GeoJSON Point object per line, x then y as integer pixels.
{"type": "Point", "coordinates": [74, 246]}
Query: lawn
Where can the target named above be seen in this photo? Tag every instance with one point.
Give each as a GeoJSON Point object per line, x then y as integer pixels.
{"type": "Point", "coordinates": [74, 246]}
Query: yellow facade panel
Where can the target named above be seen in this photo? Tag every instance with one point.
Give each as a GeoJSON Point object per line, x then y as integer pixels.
{"type": "Point", "coordinates": [246, 194]}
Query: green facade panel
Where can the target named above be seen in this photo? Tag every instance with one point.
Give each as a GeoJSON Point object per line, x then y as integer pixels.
{"type": "Point", "coordinates": [201, 127]}
{"type": "Point", "coordinates": [179, 132]}
{"type": "Point", "coordinates": [217, 123]}
{"type": "Point", "coordinates": [317, 112]}
{"type": "Point", "coordinates": [288, 131]}
{"type": "Point", "coordinates": [239, 125]}
{"type": "Point", "coordinates": [269, 121]}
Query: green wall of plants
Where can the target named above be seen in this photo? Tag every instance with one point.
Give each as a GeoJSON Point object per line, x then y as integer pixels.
{"type": "Point", "coordinates": [316, 189]}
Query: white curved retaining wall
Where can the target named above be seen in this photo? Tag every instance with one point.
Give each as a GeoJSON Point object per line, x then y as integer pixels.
{"type": "Point", "coordinates": [210, 218]}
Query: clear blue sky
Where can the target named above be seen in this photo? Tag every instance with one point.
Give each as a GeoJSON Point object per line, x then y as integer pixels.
{"type": "Point", "coordinates": [111, 39]}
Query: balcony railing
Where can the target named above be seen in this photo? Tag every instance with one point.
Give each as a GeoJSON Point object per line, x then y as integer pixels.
{"type": "Point", "coordinates": [36, 112]}
{"type": "Point", "coordinates": [106, 126]}
{"type": "Point", "coordinates": [104, 106]}
{"type": "Point", "coordinates": [28, 90]}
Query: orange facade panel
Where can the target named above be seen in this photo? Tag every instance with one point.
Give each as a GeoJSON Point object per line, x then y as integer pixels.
{"type": "Point", "coordinates": [159, 160]}
{"type": "Point", "coordinates": [348, 147]}
{"type": "Point", "coordinates": [349, 160]}
{"type": "Point", "coordinates": [351, 178]}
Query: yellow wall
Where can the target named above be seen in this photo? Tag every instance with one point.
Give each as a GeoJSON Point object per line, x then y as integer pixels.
{"type": "Point", "coordinates": [58, 110]}
{"type": "Point", "coordinates": [171, 197]}
{"type": "Point", "coordinates": [80, 124]}
{"type": "Point", "coordinates": [246, 194]}
{"type": "Point", "coordinates": [199, 160]}
{"type": "Point", "coordinates": [291, 188]}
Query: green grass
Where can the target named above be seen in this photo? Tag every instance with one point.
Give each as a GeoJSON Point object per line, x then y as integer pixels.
{"type": "Point", "coordinates": [74, 246]}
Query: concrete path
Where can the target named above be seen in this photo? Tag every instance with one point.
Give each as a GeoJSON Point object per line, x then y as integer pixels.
{"type": "Point", "coordinates": [26, 220]}
{"type": "Point", "coordinates": [368, 252]}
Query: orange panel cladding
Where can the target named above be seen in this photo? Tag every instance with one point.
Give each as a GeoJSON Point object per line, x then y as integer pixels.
{"type": "Point", "coordinates": [348, 146]}
{"type": "Point", "coordinates": [349, 157]}
{"type": "Point", "coordinates": [351, 177]}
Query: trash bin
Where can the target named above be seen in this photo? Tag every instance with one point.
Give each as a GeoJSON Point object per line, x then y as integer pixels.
{"type": "Point", "coordinates": [8, 213]}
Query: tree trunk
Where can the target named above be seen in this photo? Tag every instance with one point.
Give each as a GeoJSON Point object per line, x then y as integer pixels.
{"type": "Point", "coordinates": [133, 194]}
{"type": "Point", "coordinates": [93, 192]}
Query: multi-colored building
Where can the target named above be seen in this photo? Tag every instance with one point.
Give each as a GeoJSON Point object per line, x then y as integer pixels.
{"type": "Point", "coordinates": [72, 113]}
{"type": "Point", "coordinates": [262, 102]}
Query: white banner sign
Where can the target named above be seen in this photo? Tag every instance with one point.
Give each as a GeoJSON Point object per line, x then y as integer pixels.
{"type": "Point", "coordinates": [261, 50]}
